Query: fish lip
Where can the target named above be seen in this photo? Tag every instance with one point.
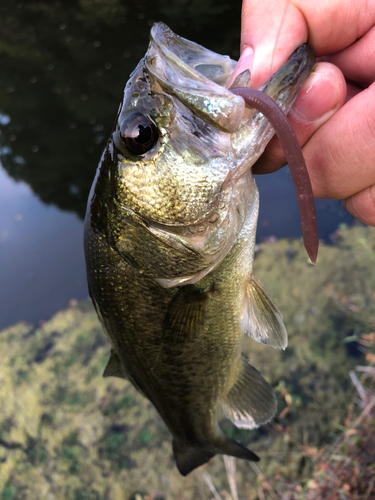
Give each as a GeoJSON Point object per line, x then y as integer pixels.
{"type": "Point", "coordinates": [282, 87]}
{"type": "Point", "coordinates": [304, 53]}
{"type": "Point", "coordinates": [294, 72]}
{"type": "Point", "coordinates": [305, 56]}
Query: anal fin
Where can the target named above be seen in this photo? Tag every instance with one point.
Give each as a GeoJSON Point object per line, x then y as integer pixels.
{"type": "Point", "coordinates": [261, 318]}
{"type": "Point", "coordinates": [113, 368]}
{"type": "Point", "coordinates": [251, 401]}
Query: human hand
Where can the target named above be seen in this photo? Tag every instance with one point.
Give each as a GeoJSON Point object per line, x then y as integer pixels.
{"type": "Point", "coordinates": [338, 139]}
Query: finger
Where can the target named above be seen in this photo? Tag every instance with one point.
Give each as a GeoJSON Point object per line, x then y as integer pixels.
{"type": "Point", "coordinates": [275, 28]}
{"type": "Point", "coordinates": [320, 97]}
{"type": "Point", "coordinates": [245, 62]}
{"type": "Point", "coordinates": [340, 156]}
{"type": "Point", "coordinates": [352, 90]}
{"type": "Point", "coordinates": [362, 205]}
{"type": "Point", "coordinates": [357, 61]}
{"type": "Point", "coordinates": [273, 34]}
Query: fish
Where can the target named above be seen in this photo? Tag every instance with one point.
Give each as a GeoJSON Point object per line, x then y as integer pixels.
{"type": "Point", "coordinates": [170, 238]}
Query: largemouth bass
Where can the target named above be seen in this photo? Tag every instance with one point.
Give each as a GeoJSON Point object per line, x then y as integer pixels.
{"type": "Point", "coordinates": [170, 237]}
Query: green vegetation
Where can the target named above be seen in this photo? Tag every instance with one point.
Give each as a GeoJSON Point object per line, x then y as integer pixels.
{"type": "Point", "coordinates": [9, 493]}
{"type": "Point", "coordinates": [114, 447]}
{"type": "Point", "coordinates": [99, 439]}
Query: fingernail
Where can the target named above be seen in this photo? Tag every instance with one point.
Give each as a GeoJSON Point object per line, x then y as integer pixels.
{"type": "Point", "coordinates": [245, 62]}
{"type": "Point", "coordinates": [318, 95]}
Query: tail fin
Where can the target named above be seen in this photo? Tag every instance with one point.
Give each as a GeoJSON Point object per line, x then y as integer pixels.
{"type": "Point", "coordinates": [189, 458]}
{"type": "Point", "coordinates": [234, 448]}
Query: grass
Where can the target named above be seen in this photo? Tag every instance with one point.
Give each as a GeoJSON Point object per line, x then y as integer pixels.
{"type": "Point", "coordinates": [344, 470]}
{"type": "Point", "coordinates": [69, 434]}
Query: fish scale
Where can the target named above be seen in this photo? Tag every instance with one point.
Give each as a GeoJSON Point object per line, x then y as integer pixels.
{"type": "Point", "coordinates": [170, 238]}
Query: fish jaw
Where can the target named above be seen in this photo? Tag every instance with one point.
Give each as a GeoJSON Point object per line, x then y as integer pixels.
{"type": "Point", "coordinates": [181, 66]}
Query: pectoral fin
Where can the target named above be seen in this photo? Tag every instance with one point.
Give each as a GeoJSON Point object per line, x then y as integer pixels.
{"type": "Point", "coordinates": [251, 401]}
{"type": "Point", "coordinates": [114, 368]}
{"type": "Point", "coordinates": [261, 318]}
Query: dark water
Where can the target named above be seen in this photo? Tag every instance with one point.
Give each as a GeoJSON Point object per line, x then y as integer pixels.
{"type": "Point", "coordinates": [63, 69]}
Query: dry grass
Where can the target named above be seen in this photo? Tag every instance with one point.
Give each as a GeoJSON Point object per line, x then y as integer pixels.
{"type": "Point", "coordinates": [343, 471]}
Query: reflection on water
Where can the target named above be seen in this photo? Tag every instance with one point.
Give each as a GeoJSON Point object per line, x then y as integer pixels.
{"type": "Point", "coordinates": [63, 67]}
{"type": "Point", "coordinates": [41, 254]}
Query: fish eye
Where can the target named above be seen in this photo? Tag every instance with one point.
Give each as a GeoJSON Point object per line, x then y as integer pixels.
{"type": "Point", "coordinates": [139, 133]}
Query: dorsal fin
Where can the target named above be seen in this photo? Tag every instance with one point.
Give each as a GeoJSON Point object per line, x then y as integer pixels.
{"type": "Point", "coordinates": [261, 318]}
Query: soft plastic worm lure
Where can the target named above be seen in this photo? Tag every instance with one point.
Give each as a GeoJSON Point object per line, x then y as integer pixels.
{"type": "Point", "coordinates": [293, 153]}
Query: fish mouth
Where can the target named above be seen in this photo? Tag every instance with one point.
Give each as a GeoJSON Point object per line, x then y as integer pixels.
{"type": "Point", "coordinates": [195, 76]}
{"type": "Point", "coordinates": [286, 84]}
{"type": "Point", "coordinates": [184, 69]}
{"type": "Point", "coordinates": [198, 77]}
{"type": "Point", "coordinates": [255, 131]}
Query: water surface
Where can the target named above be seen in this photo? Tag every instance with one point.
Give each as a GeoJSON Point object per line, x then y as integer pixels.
{"type": "Point", "coordinates": [64, 66]}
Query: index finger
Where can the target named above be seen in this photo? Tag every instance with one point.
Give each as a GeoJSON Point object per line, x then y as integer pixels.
{"type": "Point", "coordinates": [275, 28]}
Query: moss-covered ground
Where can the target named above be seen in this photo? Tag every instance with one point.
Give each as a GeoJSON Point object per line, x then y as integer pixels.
{"type": "Point", "coordinates": [68, 434]}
